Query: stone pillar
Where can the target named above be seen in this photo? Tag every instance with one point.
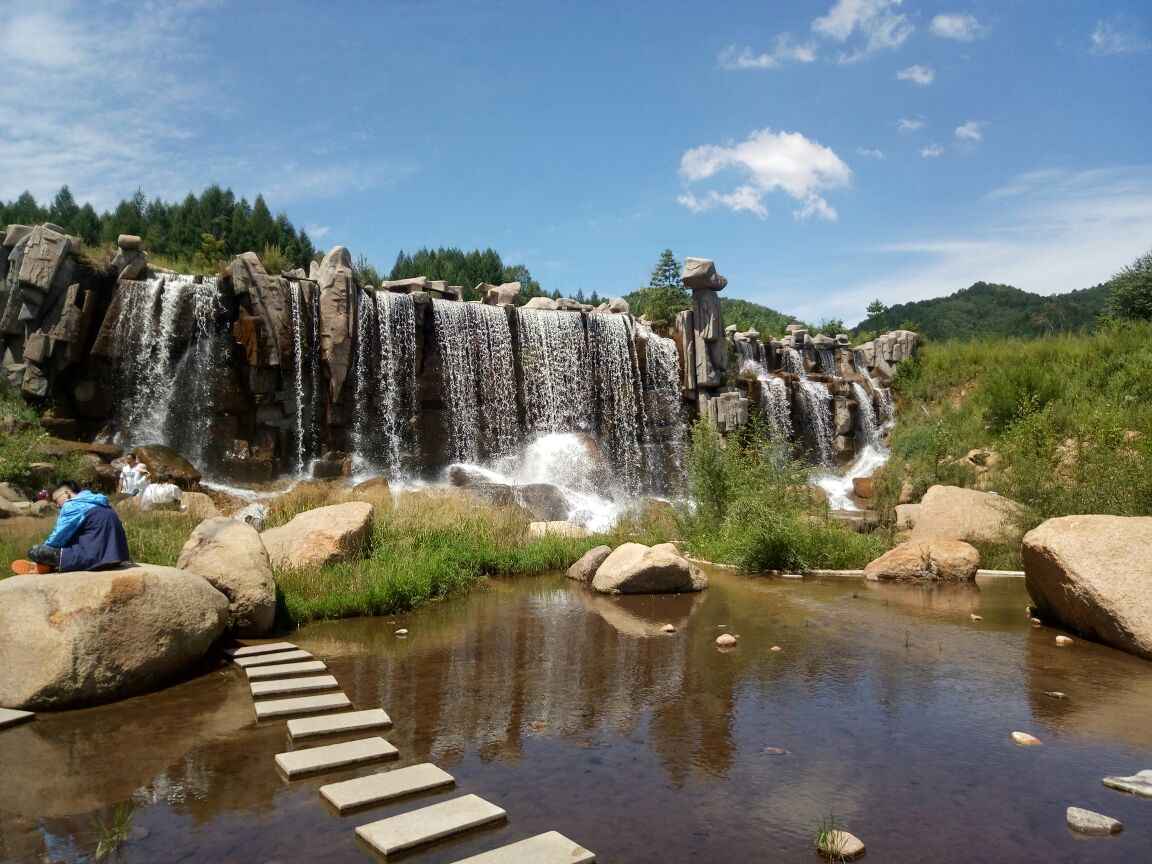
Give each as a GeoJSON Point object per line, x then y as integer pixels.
{"type": "Point", "coordinates": [708, 321]}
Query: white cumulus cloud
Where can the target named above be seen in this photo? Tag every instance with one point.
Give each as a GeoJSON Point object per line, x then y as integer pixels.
{"type": "Point", "coordinates": [870, 154]}
{"type": "Point", "coordinates": [908, 124]}
{"type": "Point", "coordinates": [931, 151]}
{"type": "Point", "coordinates": [874, 20]}
{"type": "Point", "coordinates": [922, 75]}
{"type": "Point", "coordinates": [768, 161]}
{"type": "Point", "coordinates": [784, 50]}
{"type": "Point", "coordinates": [970, 131]}
{"type": "Point", "coordinates": [961, 26]}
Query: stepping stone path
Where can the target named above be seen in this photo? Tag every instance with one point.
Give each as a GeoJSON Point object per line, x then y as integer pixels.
{"type": "Point", "coordinates": [284, 670]}
{"type": "Point", "coordinates": [10, 717]}
{"type": "Point", "coordinates": [335, 724]}
{"type": "Point", "coordinates": [294, 685]}
{"type": "Point", "coordinates": [1139, 783]}
{"type": "Point", "coordinates": [274, 668]}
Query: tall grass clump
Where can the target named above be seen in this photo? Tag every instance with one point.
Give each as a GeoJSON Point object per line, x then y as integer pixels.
{"type": "Point", "coordinates": [1068, 417]}
{"type": "Point", "coordinates": [424, 546]}
{"type": "Point", "coordinates": [753, 508]}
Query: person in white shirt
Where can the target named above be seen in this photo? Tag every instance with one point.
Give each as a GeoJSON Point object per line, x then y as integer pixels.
{"type": "Point", "coordinates": [163, 495]}
{"type": "Point", "coordinates": [133, 476]}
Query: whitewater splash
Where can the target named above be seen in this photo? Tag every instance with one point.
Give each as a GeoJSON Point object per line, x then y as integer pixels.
{"type": "Point", "coordinates": [570, 462]}
{"type": "Point", "coordinates": [839, 485]}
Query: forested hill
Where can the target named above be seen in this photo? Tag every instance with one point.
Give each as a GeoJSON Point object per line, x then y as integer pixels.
{"type": "Point", "coordinates": [993, 310]}
{"type": "Point", "coordinates": [752, 316]}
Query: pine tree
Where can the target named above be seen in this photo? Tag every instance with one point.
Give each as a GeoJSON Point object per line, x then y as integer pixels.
{"type": "Point", "coordinates": [666, 273]}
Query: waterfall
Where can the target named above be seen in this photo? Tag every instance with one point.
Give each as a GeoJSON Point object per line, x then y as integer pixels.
{"type": "Point", "coordinates": [554, 359]}
{"type": "Point", "coordinates": [884, 401]}
{"type": "Point", "coordinates": [617, 395]}
{"type": "Point", "coordinates": [858, 364]}
{"type": "Point", "coordinates": [385, 369]}
{"type": "Point", "coordinates": [479, 378]}
{"type": "Point", "coordinates": [664, 437]}
{"type": "Point", "coordinates": [169, 349]}
{"type": "Point", "coordinates": [825, 361]}
{"type": "Point", "coordinates": [865, 415]}
{"type": "Point", "coordinates": [792, 362]}
{"type": "Point", "coordinates": [305, 318]}
{"type": "Point", "coordinates": [774, 397]}
{"type": "Point", "coordinates": [815, 409]}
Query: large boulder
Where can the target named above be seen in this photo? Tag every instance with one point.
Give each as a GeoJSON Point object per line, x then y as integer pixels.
{"type": "Point", "coordinates": [584, 569]}
{"type": "Point", "coordinates": [634, 568]}
{"type": "Point", "coordinates": [932, 560]}
{"type": "Point", "coordinates": [954, 513]}
{"type": "Point", "coordinates": [546, 501]}
{"type": "Point", "coordinates": [86, 638]}
{"type": "Point", "coordinates": [1093, 575]}
{"type": "Point", "coordinates": [165, 460]}
{"type": "Point", "coordinates": [338, 532]}
{"type": "Point", "coordinates": [231, 556]}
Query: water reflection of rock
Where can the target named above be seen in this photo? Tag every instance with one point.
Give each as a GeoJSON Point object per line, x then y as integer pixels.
{"type": "Point", "coordinates": [937, 597]}
{"type": "Point", "coordinates": [1108, 693]}
{"type": "Point", "coordinates": [641, 614]}
{"type": "Point", "coordinates": [63, 766]}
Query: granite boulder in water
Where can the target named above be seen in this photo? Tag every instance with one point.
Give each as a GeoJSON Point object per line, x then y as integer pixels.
{"type": "Point", "coordinates": [634, 568]}
{"type": "Point", "coordinates": [926, 560]}
{"type": "Point", "coordinates": [1092, 574]}
{"type": "Point", "coordinates": [87, 638]}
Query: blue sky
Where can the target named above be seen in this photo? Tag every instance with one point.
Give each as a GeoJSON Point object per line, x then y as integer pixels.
{"type": "Point", "coordinates": [824, 153]}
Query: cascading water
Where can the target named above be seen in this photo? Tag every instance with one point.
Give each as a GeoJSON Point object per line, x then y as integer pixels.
{"type": "Point", "coordinates": [554, 359]}
{"type": "Point", "coordinates": [865, 415]}
{"type": "Point", "coordinates": [305, 317]}
{"type": "Point", "coordinates": [825, 361]}
{"type": "Point", "coordinates": [167, 334]}
{"type": "Point", "coordinates": [479, 378]}
{"type": "Point", "coordinates": [773, 398]}
{"type": "Point", "coordinates": [618, 396]}
{"type": "Point", "coordinates": [887, 410]}
{"type": "Point", "coordinates": [664, 436]}
{"type": "Point", "coordinates": [385, 395]}
{"type": "Point", "coordinates": [815, 409]}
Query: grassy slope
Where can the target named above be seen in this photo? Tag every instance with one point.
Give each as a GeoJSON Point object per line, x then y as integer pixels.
{"type": "Point", "coordinates": [1069, 415]}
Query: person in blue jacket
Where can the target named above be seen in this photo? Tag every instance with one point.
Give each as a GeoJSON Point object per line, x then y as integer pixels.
{"type": "Point", "coordinates": [88, 535]}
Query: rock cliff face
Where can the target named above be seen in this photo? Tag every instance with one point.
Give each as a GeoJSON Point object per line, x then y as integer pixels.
{"type": "Point", "coordinates": [252, 374]}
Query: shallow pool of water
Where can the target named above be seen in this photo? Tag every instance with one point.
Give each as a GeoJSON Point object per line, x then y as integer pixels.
{"type": "Point", "coordinates": [887, 707]}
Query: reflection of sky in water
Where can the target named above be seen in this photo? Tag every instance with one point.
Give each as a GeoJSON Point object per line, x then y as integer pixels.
{"type": "Point", "coordinates": [574, 713]}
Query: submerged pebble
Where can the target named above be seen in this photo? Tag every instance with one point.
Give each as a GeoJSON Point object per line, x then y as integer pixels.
{"type": "Point", "coordinates": [402, 632]}
{"type": "Point", "coordinates": [726, 640]}
{"type": "Point", "coordinates": [1023, 739]}
{"type": "Point", "coordinates": [1063, 640]}
{"type": "Point", "coordinates": [975, 617]}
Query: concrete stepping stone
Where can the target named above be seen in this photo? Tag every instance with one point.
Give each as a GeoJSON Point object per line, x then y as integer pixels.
{"type": "Point", "coordinates": [253, 650]}
{"type": "Point", "coordinates": [332, 756]}
{"type": "Point", "coordinates": [272, 708]}
{"type": "Point", "coordinates": [386, 786]}
{"type": "Point", "coordinates": [11, 716]}
{"type": "Point", "coordinates": [335, 724]}
{"type": "Point", "coordinates": [428, 824]}
{"type": "Point", "coordinates": [284, 686]}
{"type": "Point", "coordinates": [548, 848]}
{"type": "Point", "coordinates": [284, 670]}
{"type": "Point", "coordinates": [268, 659]}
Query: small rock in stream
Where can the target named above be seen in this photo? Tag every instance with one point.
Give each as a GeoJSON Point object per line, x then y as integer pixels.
{"type": "Point", "coordinates": [1023, 739]}
{"type": "Point", "coordinates": [839, 845]}
{"type": "Point", "coordinates": [1139, 783]}
{"type": "Point", "coordinates": [1063, 640]}
{"type": "Point", "coordinates": [1055, 694]}
{"type": "Point", "coordinates": [668, 628]}
{"type": "Point", "coordinates": [726, 640]}
{"type": "Point", "coordinates": [1096, 824]}
{"type": "Point", "coordinates": [402, 632]}
{"type": "Point", "coordinates": [975, 617]}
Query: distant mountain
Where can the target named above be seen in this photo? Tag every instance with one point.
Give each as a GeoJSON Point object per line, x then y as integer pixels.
{"type": "Point", "coordinates": [993, 310]}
